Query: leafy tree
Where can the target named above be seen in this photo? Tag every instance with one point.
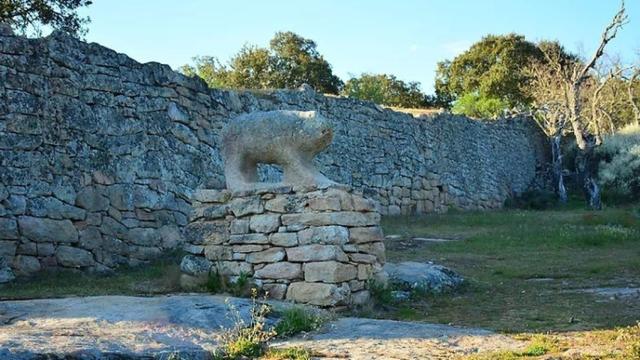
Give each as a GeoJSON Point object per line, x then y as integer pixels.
{"type": "Point", "coordinates": [385, 89]}
{"type": "Point", "coordinates": [32, 15]}
{"type": "Point", "coordinates": [209, 69]}
{"type": "Point", "coordinates": [296, 61]}
{"type": "Point", "coordinates": [491, 70]}
{"type": "Point", "coordinates": [444, 97]}
{"type": "Point", "coordinates": [251, 68]}
{"type": "Point", "coordinates": [475, 105]}
{"type": "Point", "coordinates": [290, 61]}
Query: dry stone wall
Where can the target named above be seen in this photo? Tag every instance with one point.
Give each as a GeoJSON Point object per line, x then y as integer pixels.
{"type": "Point", "coordinates": [310, 246]}
{"type": "Point", "coordinates": [100, 155]}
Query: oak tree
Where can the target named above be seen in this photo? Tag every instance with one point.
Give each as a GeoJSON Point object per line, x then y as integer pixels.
{"type": "Point", "coordinates": [29, 16]}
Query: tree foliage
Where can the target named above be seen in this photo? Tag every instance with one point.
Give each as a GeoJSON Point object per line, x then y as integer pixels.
{"type": "Point", "coordinates": [478, 106]}
{"type": "Point", "coordinates": [31, 15]}
{"type": "Point", "coordinates": [289, 62]}
{"type": "Point", "coordinates": [489, 73]}
{"type": "Point", "coordinates": [296, 61]}
{"type": "Point", "coordinates": [386, 90]}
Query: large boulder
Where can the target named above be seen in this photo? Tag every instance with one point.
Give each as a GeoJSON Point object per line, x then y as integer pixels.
{"type": "Point", "coordinates": [424, 276]}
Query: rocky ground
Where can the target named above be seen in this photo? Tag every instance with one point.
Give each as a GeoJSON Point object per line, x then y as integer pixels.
{"type": "Point", "coordinates": [137, 327]}
{"type": "Point", "coordinates": [358, 338]}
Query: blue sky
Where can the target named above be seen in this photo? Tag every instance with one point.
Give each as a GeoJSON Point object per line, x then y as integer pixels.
{"type": "Point", "coordinates": [404, 38]}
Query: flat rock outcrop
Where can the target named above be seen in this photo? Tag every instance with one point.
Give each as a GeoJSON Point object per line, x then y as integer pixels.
{"type": "Point", "coordinates": [187, 326]}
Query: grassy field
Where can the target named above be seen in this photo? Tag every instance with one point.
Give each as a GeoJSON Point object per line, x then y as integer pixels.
{"type": "Point", "coordinates": [525, 270]}
{"type": "Point", "coordinates": [531, 274]}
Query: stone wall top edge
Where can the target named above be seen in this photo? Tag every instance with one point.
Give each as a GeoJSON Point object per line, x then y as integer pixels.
{"type": "Point", "coordinates": [223, 195]}
{"type": "Point", "coordinates": [301, 97]}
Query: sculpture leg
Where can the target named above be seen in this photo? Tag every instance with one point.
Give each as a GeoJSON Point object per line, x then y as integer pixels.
{"type": "Point", "coordinates": [301, 171]}
{"type": "Point", "coordinates": [240, 173]}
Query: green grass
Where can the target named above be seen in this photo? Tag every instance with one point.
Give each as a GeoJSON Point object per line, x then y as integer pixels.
{"type": "Point", "coordinates": [158, 277]}
{"type": "Point", "coordinates": [292, 353]}
{"type": "Point", "coordinates": [295, 320]}
{"type": "Point", "coordinates": [523, 267]}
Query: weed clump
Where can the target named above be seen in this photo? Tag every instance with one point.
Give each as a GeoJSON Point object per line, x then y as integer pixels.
{"type": "Point", "coordinates": [250, 340]}
{"type": "Point", "coordinates": [296, 320]}
{"type": "Point", "coordinates": [293, 353]}
{"type": "Point", "coordinates": [240, 286]}
{"type": "Point", "coordinates": [246, 340]}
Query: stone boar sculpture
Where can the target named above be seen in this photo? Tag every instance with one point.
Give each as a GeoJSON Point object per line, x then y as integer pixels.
{"type": "Point", "coordinates": [290, 139]}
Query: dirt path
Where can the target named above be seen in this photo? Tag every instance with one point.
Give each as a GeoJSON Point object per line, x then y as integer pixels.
{"type": "Point", "coordinates": [134, 327]}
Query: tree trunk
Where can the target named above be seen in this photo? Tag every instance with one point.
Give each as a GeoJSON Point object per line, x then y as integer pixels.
{"type": "Point", "coordinates": [584, 161]}
{"type": "Point", "coordinates": [558, 176]}
{"type": "Point", "coordinates": [585, 168]}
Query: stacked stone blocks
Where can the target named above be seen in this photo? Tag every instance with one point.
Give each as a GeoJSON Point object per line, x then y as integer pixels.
{"type": "Point", "coordinates": [318, 247]}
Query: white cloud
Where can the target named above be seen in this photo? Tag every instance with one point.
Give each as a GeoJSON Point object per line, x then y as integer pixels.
{"type": "Point", "coordinates": [413, 48]}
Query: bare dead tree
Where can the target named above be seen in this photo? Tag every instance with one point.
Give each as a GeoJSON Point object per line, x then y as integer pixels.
{"type": "Point", "coordinates": [599, 102]}
{"type": "Point", "coordinates": [585, 141]}
{"type": "Point", "coordinates": [612, 104]}
{"type": "Point", "coordinates": [548, 91]}
{"type": "Point", "coordinates": [560, 94]}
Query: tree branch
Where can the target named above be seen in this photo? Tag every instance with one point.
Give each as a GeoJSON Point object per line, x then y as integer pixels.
{"type": "Point", "coordinates": [610, 32]}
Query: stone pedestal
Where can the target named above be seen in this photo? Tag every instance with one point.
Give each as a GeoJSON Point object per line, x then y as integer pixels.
{"type": "Point", "coordinates": [316, 247]}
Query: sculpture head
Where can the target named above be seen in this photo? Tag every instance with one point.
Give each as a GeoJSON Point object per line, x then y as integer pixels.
{"type": "Point", "coordinates": [315, 131]}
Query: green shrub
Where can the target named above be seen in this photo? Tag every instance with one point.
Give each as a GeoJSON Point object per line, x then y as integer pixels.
{"type": "Point", "coordinates": [296, 320]}
{"type": "Point", "coordinates": [619, 169]}
{"type": "Point", "coordinates": [532, 200]}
